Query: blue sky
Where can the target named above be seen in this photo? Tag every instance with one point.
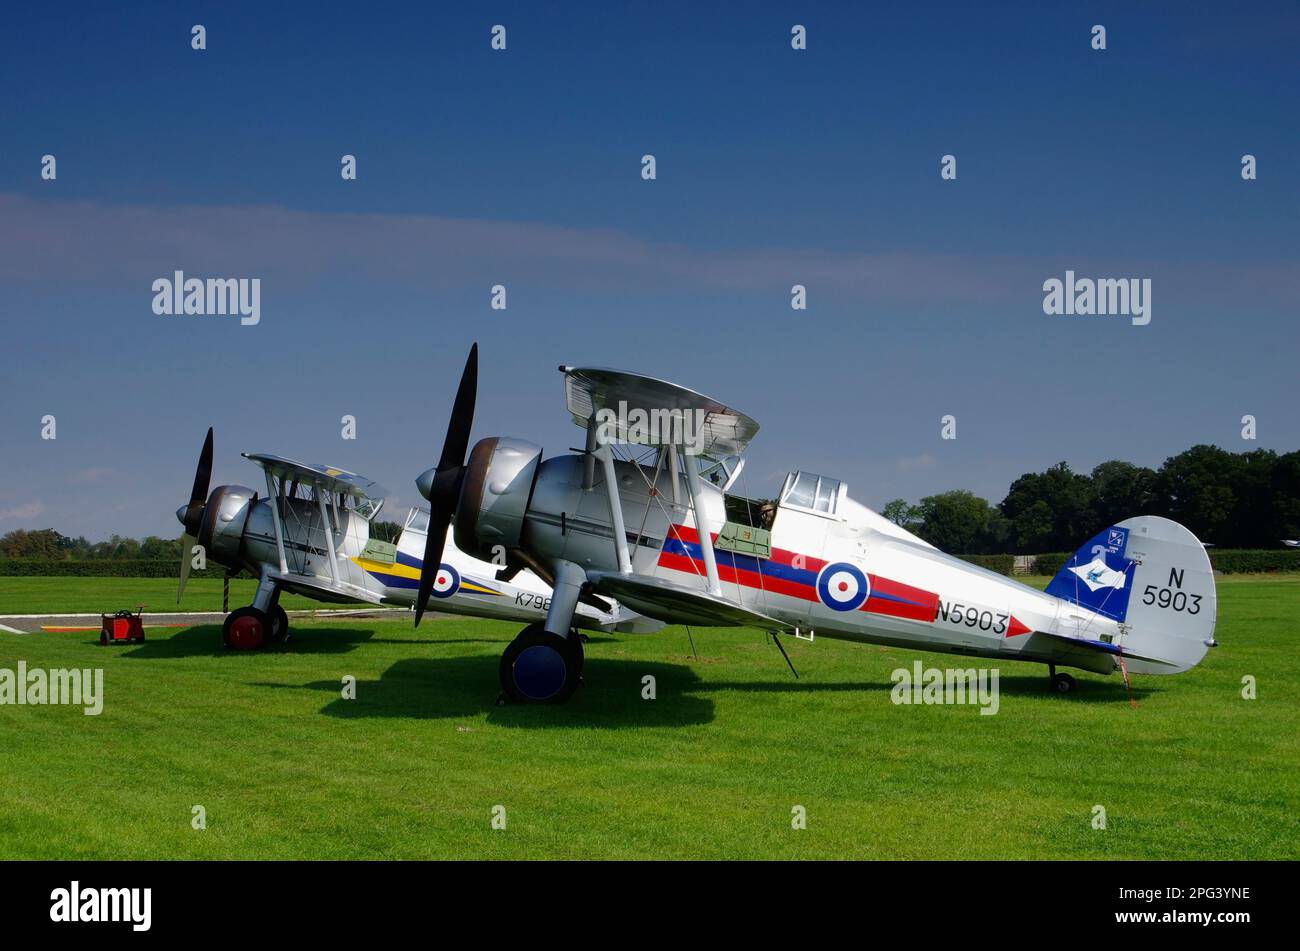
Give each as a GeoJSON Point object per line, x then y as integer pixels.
{"type": "Point", "coordinates": [775, 167]}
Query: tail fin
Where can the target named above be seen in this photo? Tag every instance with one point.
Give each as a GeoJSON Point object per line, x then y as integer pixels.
{"type": "Point", "coordinates": [1153, 577]}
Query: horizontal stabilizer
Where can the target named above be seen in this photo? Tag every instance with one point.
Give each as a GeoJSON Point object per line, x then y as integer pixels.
{"type": "Point", "coordinates": [1101, 647]}
{"type": "Point", "coordinates": [674, 604]}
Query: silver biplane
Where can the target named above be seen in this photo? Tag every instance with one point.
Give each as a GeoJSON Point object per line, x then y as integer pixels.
{"type": "Point", "coordinates": [310, 535]}
{"type": "Point", "coordinates": [645, 515]}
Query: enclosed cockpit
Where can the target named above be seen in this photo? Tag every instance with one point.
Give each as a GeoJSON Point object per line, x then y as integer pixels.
{"type": "Point", "coordinates": [805, 494]}
{"type": "Point", "coordinates": [810, 492]}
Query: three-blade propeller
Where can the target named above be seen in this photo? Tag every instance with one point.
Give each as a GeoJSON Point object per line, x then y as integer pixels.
{"type": "Point", "coordinates": [191, 515]}
{"type": "Point", "coordinates": [441, 485]}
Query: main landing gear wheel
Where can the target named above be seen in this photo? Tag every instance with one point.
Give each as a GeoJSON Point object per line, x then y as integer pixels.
{"type": "Point", "coordinates": [245, 629]}
{"type": "Point", "coordinates": [1061, 683]}
{"type": "Point", "coordinates": [539, 667]}
{"type": "Point", "coordinates": [279, 625]}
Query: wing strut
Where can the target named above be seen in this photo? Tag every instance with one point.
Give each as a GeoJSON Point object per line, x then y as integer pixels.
{"type": "Point", "coordinates": [589, 457]}
{"type": "Point", "coordinates": [672, 468]}
{"type": "Point", "coordinates": [691, 464]}
{"type": "Point", "coordinates": [274, 498]}
{"type": "Point", "coordinates": [606, 458]}
{"type": "Point", "coordinates": [329, 535]}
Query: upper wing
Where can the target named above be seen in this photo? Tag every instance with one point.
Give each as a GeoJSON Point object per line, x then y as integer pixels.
{"type": "Point", "coordinates": [588, 390]}
{"type": "Point", "coordinates": [674, 604]}
{"type": "Point", "coordinates": [329, 478]}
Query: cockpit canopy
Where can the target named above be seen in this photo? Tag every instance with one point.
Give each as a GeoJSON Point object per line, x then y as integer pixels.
{"type": "Point", "coordinates": [813, 493]}
{"type": "Point", "coordinates": [417, 520]}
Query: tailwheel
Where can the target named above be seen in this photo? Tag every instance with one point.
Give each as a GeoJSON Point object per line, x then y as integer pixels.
{"type": "Point", "coordinates": [1061, 683]}
{"type": "Point", "coordinates": [539, 667]}
{"type": "Point", "coordinates": [279, 624]}
{"type": "Point", "coordinates": [246, 629]}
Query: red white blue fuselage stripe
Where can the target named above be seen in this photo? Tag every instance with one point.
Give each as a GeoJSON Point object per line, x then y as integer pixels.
{"type": "Point", "coordinates": [793, 575]}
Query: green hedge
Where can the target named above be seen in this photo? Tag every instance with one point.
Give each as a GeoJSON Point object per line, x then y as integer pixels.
{"type": "Point", "coordinates": [1002, 564]}
{"type": "Point", "coordinates": [1050, 563]}
{"type": "Point", "coordinates": [1241, 560]}
{"type": "Point", "coordinates": [1229, 561]}
{"type": "Point", "coordinates": [100, 568]}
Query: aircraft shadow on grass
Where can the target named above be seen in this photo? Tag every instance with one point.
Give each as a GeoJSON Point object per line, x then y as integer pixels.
{"type": "Point", "coordinates": [1022, 685]}
{"type": "Point", "coordinates": [611, 695]}
{"type": "Point", "coordinates": [205, 641]}
{"type": "Point", "coordinates": [442, 688]}
{"type": "Point", "coordinates": [435, 639]}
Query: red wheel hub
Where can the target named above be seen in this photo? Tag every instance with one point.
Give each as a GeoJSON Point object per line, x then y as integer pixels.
{"type": "Point", "coordinates": [246, 634]}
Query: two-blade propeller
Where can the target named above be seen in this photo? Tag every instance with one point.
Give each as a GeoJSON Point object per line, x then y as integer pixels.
{"type": "Point", "coordinates": [191, 516]}
{"type": "Point", "coordinates": [441, 485]}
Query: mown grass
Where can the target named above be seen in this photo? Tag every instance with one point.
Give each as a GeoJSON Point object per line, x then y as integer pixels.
{"type": "Point", "coordinates": [712, 768]}
{"type": "Point", "coordinates": [71, 595]}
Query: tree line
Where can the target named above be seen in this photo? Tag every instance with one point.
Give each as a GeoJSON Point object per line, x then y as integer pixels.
{"type": "Point", "coordinates": [1233, 500]}
{"type": "Point", "coordinates": [49, 545]}
{"type": "Point", "coordinates": [1230, 499]}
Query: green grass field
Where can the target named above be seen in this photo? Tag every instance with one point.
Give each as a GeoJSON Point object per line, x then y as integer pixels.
{"type": "Point", "coordinates": [106, 595]}
{"type": "Point", "coordinates": [413, 767]}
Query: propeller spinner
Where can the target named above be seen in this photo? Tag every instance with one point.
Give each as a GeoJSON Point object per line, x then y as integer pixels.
{"type": "Point", "coordinates": [441, 485]}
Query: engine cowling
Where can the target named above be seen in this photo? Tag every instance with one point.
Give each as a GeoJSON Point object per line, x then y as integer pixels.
{"type": "Point", "coordinates": [221, 531]}
{"type": "Point", "coordinates": [494, 495]}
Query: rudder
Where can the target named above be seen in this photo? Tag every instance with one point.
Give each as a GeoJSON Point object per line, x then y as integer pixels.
{"type": "Point", "coordinates": [1152, 576]}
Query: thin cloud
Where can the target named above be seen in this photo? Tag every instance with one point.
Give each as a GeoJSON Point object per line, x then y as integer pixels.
{"type": "Point", "coordinates": [93, 474]}
{"type": "Point", "coordinates": [24, 511]}
{"type": "Point", "coordinates": [915, 463]}
{"type": "Point", "coordinates": [97, 243]}
{"type": "Point", "coordinates": [104, 245]}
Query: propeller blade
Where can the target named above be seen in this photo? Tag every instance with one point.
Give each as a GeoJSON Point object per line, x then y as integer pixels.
{"type": "Point", "coordinates": [456, 443]}
{"type": "Point", "coordinates": [187, 549]}
{"type": "Point", "coordinates": [442, 486]}
{"type": "Point", "coordinates": [203, 472]}
{"type": "Point", "coordinates": [193, 512]}
{"type": "Point", "coordinates": [462, 415]}
{"type": "Point", "coordinates": [433, 545]}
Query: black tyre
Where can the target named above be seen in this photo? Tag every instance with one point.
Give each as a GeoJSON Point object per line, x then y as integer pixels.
{"type": "Point", "coordinates": [246, 629]}
{"type": "Point", "coordinates": [279, 624]}
{"type": "Point", "coordinates": [539, 667]}
{"type": "Point", "coordinates": [1063, 683]}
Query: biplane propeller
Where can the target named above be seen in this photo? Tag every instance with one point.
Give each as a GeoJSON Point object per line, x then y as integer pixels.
{"type": "Point", "coordinates": [191, 515]}
{"type": "Point", "coordinates": [641, 516]}
{"type": "Point", "coordinates": [441, 485]}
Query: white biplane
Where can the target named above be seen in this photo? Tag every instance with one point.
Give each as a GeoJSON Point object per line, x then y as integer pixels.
{"type": "Point", "coordinates": [645, 515]}
{"type": "Point", "coordinates": [310, 535]}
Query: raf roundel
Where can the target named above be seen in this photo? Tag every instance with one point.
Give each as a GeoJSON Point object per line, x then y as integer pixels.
{"type": "Point", "coordinates": [842, 587]}
{"type": "Point", "coordinates": [447, 583]}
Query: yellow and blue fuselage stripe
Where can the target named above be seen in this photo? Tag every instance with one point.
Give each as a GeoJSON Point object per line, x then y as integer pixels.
{"type": "Point", "coordinates": [405, 573]}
